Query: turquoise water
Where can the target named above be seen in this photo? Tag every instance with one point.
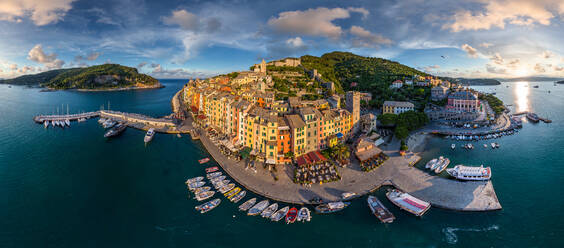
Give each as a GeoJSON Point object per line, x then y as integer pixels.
{"type": "Point", "coordinates": [72, 188]}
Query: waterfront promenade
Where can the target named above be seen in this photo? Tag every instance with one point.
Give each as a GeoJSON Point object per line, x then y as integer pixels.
{"type": "Point", "coordinates": [397, 171]}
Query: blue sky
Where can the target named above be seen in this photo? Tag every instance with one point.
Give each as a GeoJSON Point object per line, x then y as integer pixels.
{"type": "Point", "coordinates": [185, 39]}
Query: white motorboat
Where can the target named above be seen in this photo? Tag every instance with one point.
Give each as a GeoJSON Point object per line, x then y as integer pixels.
{"type": "Point", "coordinates": [485, 145]}
{"type": "Point", "coordinates": [304, 214]}
{"type": "Point", "coordinates": [46, 124]}
{"type": "Point", "coordinates": [269, 210]}
{"type": "Point", "coordinates": [149, 135]}
{"type": "Point", "coordinates": [453, 146]}
{"type": "Point", "coordinates": [67, 122]}
{"type": "Point", "coordinates": [442, 166]}
{"type": "Point", "coordinates": [470, 173]}
{"type": "Point", "coordinates": [431, 163]}
{"type": "Point", "coordinates": [257, 209]}
{"type": "Point", "coordinates": [435, 165]}
{"type": "Point", "coordinates": [348, 195]}
{"type": "Point", "coordinates": [248, 204]}
{"type": "Point", "coordinates": [407, 202]}
{"type": "Point", "coordinates": [493, 145]}
{"type": "Point", "coordinates": [193, 180]}
{"type": "Point", "coordinates": [281, 213]}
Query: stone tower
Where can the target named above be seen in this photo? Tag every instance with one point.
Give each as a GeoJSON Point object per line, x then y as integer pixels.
{"type": "Point", "coordinates": [263, 66]}
{"type": "Point", "coordinates": [352, 102]}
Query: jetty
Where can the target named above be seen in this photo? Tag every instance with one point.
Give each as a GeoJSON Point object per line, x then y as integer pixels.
{"type": "Point", "coordinates": [70, 117]}
{"type": "Point", "coordinates": [545, 120]}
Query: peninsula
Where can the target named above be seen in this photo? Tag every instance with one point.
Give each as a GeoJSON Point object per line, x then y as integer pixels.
{"type": "Point", "coordinates": [93, 78]}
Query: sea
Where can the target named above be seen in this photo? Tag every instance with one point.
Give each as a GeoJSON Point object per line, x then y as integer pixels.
{"type": "Point", "coordinates": [73, 188]}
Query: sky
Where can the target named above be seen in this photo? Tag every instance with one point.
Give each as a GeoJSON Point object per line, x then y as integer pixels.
{"type": "Point", "coordinates": [195, 39]}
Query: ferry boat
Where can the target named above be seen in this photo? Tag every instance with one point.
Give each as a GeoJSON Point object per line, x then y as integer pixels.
{"type": "Point", "coordinates": [331, 207]}
{"type": "Point", "coordinates": [193, 180]}
{"type": "Point", "coordinates": [115, 131]}
{"type": "Point", "coordinates": [204, 195]}
{"type": "Point", "coordinates": [281, 213]}
{"type": "Point", "coordinates": [304, 214]}
{"type": "Point", "coordinates": [379, 210]}
{"type": "Point", "coordinates": [291, 215]}
{"type": "Point", "coordinates": [212, 169]}
{"type": "Point", "coordinates": [257, 209]}
{"type": "Point", "coordinates": [206, 207]}
{"type": "Point", "coordinates": [470, 173]}
{"type": "Point", "coordinates": [348, 195]}
{"type": "Point", "coordinates": [269, 211]}
{"type": "Point", "coordinates": [533, 117]}
{"type": "Point", "coordinates": [212, 175]}
{"type": "Point", "coordinates": [203, 160]}
{"type": "Point", "coordinates": [431, 163]}
{"type": "Point", "coordinates": [149, 135]}
{"type": "Point", "coordinates": [407, 202]}
{"type": "Point", "coordinates": [248, 204]}
{"type": "Point", "coordinates": [442, 166]}
{"type": "Point", "coordinates": [239, 196]}
{"type": "Point", "coordinates": [226, 188]}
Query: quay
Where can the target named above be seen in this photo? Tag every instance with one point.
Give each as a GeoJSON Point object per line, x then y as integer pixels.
{"type": "Point", "coordinates": [71, 117]}
{"type": "Point", "coordinates": [545, 120]}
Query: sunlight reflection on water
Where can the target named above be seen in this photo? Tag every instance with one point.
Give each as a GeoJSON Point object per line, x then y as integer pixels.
{"type": "Point", "coordinates": [522, 96]}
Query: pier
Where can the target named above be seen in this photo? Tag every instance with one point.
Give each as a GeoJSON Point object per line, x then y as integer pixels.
{"type": "Point", "coordinates": [71, 117]}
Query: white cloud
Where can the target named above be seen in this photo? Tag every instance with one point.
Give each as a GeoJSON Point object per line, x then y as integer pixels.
{"type": "Point", "coordinates": [41, 12]}
{"type": "Point", "coordinates": [26, 69]}
{"type": "Point", "coordinates": [13, 67]}
{"type": "Point", "coordinates": [295, 42]}
{"type": "Point", "coordinates": [431, 68]}
{"type": "Point", "coordinates": [314, 22]}
{"type": "Point", "coordinates": [365, 38]}
{"type": "Point", "coordinates": [496, 58]}
{"type": "Point", "coordinates": [90, 57]}
{"type": "Point", "coordinates": [36, 54]}
{"type": "Point", "coordinates": [495, 70]}
{"type": "Point", "coordinates": [472, 52]}
{"type": "Point", "coordinates": [498, 13]}
{"type": "Point", "coordinates": [190, 21]}
{"type": "Point", "coordinates": [547, 54]}
{"type": "Point", "coordinates": [486, 45]}
{"type": "Point", "coordinates": [159, 72]}
{"type": "Point", "coordinates": [540, 68]}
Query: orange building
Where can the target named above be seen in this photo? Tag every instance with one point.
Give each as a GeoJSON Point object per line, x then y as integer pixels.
{"type": "Point", "coordinates": [284, 141]}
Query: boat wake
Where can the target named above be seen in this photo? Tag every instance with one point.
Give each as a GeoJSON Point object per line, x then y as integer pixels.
{"type": "Point", "coordinates": [452, 238]}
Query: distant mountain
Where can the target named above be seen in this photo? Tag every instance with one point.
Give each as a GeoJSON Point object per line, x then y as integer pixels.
{"type": "Point", "coordinates": [475, 81]}
{"type": "Point", "coordinates": [98, 77]}
{"type": "Point", "coordinates": [530, 79]}
{"type": "Point", "coordinates": [344, 68]}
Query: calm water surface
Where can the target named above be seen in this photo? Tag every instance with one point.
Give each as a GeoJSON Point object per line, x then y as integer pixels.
{"type": "Point", "coordinates": [73, 188]}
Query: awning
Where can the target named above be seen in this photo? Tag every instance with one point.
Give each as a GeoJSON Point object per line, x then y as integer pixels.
{"type": "Point", "coordinates": [339, 135]}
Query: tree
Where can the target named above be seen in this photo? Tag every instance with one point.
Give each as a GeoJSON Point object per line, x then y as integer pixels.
{"type": "Point", "coordinates": [401, 132]}
{"type": "Point", "coordinates": [403, 146]}
{"type": "Point", "coordinates": [387, 119]}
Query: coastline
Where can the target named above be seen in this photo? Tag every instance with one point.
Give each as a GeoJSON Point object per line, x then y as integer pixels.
{"type": "Point", "coordinates": [160, 86]}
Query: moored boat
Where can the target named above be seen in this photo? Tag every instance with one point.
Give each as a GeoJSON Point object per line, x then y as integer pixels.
{"type": "Point", "coordinates": [195, 185]}
{"type": "Point", "coordinates": [232, 192]}
{"type": "Point", "coordinates": [348, 195]}
{"type": "Point", "coordinates": [442, 166]}
{"type": "Point", "coordinates": [407, 202]}
{"type": "Point", "coordinates": [115, 131]}
{"type": "Point", "coordinates": [379, 210]}
{"type": "Point", "coordinates": [248, 204]}
{"type": "Point", "coordinates": [202, 189]}
{"type": "Point", "coordinates": [211, 169]}
{"type": "Point", "coordinates": [225, 188]}
{"type": "Point", "coordinates": [470, 173]}
{"type": "Point", "coordinates": [304, 214]}
{"type": "Point", "coordinates": [258, 208]}
{"type": "Point", "coordinates": [453, 146]}
{"type": "Point", "coordinates": [435, 165]}
{"type": "Point", "coordinates": [206, 207]}
{"type": "Point", "coordinates": [281, 213]}
{"type": "Point", "coordinates": [212, 175]}
{"type": "Point", "coordinates": [533, 117]}
{"type": "Point", "coordinates": [203, 160]}
{"type": "Point", "coordinates": [204, 195]}
{"type": "Point", "coordinates": [269, 210]}
{"type": "Point", "coordinates": [238, 196]}
{"type": "Point", "coordinates": [331, 207]}
{"type": "Point", "coordinates": [46, 124]}
{"type": "Point", "coordinates": [431, 163]}
{"type": "Point", "coordinates": [194, 179]}
{"type": "Point", "coordinates": [149, 135]}
{"type": "Point", "coordinates": [67, 122]}
{"type": "Point", "coordinates": [291, 215]}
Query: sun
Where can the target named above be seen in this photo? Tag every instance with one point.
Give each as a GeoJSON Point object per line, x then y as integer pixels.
{"type": "Point", "coordinates": [521, 71]}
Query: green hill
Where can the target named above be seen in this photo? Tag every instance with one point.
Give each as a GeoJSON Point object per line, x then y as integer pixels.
{"type": "Point", "coordinates": [373, 75]}
{"type": "Point", "coordinates": [107, 76]}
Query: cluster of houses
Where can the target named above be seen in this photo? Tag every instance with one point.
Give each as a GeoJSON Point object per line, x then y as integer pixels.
{"type": "Point", "coordinates": [245, 112]}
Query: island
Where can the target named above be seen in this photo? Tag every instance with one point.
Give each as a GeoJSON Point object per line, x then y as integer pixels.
{"type": "Point", "coordinates": [560, 82]}
{"type": "Point", "coordinates": [94, 78]}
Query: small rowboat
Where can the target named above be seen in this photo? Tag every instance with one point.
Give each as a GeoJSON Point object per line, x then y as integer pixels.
{"type": "Point", "coordinates": [279, 214]}
{"type": "Point", "coordinates": [248, 204]}
{"type": "Point", "coordinates": [304, 214]}
{"type": "Point", "coordinates": [232, 193]}
{"type": "Point", "coordinates": [238, 196]}
{"type": "Point", "coordinates": [269, 210]}
{"type": "Point", "coordinates": [193, 180]}
{"type": "Point", "coordinates": [226, 188]}
{"type": "Point", "coordinates": [208, 205]}
{"type": "Point", "coordinates": [204, 160]}
{"type": "Point", "coordinates": [212, 169]}
{"type": "Point", "coordinates": [202, 189]}
{"type": "Point", "coordinates": [291, 215]}
{"type": "Point", "coordinates": [212, 175]}
{"type": "Point", "coordinates": [204, 195]}
{"type": "Point", "coordinates": [196, 185]}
